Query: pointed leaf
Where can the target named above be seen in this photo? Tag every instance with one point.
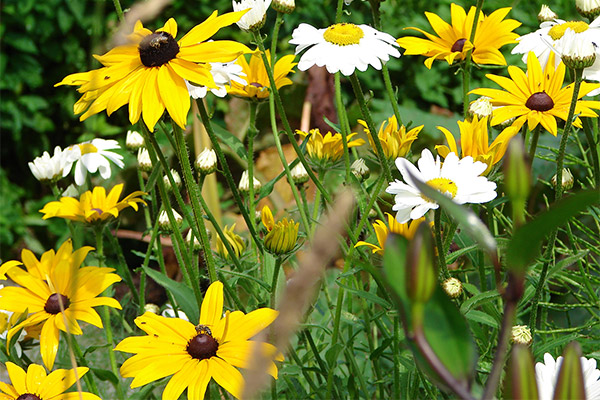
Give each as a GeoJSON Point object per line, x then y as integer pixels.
{"type": "Point", "coordinates": [519, 382]}
{"type": "Point", "coordinates": [569, 383]}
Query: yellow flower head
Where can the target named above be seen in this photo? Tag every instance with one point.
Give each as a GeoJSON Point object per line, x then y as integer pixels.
{"type": "Point", "coordinates": [93, 206]}
{"type": "Point", "coordinates": [195, 354]}
{"type": "Point", "coordinates": [65, 287]}
{"type": "Point", "coordinates": [150, 72]}
{"type": "Point", "coordinates": [256, 75]}
{"type": "Point", "coordinates": [453, 43]}
{"type": "Point", "coordinates": [381, 231]}
{"type": "Point", "coordinates": [395, 141]}
{"type": "Point", "coordinates": [281, 236]}
{"type": "Point", "coordinates": [474, 142]}
{"type": "Point", "coordinates": [329, 148]}
{"type": "Point", "coordinates": [35, 383]}
{"type": "Point", "coordinates": [235, 240]}
{"type": "Point", "coordinates": [537, 97]}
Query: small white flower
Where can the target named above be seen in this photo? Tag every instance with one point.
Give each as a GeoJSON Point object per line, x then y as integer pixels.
{"type": "Point", "coordinates": [176, 179]}
{"type": "Point", "coordinates": [223, 74]}
{"type": "Point", "coordinates": [193, 241]}
{"type": "Point", "coordinates": [70, 191]}
{"type": "Point", "coordinates": [168, 312]}
{"type": "Point", "coordinates": [567, 179]}
{"type": "Point", "coordinates": [143, 159]}
{"type": "Point", "coordinates": [546, 14]}
{"type": "Point", "coordinates": [343, 47]}
{"type": "Point", "coordinates": [153, 308]}
{"type": "Point", "coordinates": [255, 18]}
{"type": "Point", "coordinates": [360, 170]}
{"type": "Point", "coordinates": [458, 179]}
{"type": "Point", "coordinates": [206, 162]}
{"type": "Point", "coordinates": [482, 107]}
{"type": "Point", "coordinates": [46, 168]}
{"type": "Point", "coordinates": [453, 287]}
{"type": "Point", "coordinates": [521, 334]}
{"type": "Point", "coordinates": [547, 372]}
{"type": "Point", "coordinates": [299, 174]}
{"type": "Point", "coordinates": [575, 52]}
{"type": "Point", "coordinates": [134, 140]}
{"type": "Point", "coordinates": [93, 156]}
{"type": "Point", "coordinates": [244, 185]}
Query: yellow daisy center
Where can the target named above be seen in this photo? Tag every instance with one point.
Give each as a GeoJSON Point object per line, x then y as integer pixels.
{"type": "Point", "coordinates": [557, 31]}
{"type": "Point", "coordinates": [539, 101]}
{"type": "Point", "coordinates": [343, 34]}
{"type": "Point", "coordinates": [442, 185]}
{"type": "Point", "coordinates": [53, 303]}
{"type": "Point", "coordinates": [458, 45]}
{"type": "Point", "coordinates": [157, 49]}
{"type": "Point", "coordinates": [87, 148]}
{"type": "Point", "coordinates": [203, 345]}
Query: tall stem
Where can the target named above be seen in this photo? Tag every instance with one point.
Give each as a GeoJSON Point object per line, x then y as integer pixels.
{"type": "Point", "coordinates": [439, 243]}
{"type": "Point", "coordinates": [251, 134]}
{"type": "Point", "coordinates": [467, 66]}
{"type": "Point", "coordinates": [341, 116]}
{"type": "Point", "coordinates": [534, 142]}
{"type": "Point", "coordinates": [276, 269]}
{"type": "Point", "coordinates": [593, 146]}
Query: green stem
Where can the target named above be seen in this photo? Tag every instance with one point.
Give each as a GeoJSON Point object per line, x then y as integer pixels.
{"type": "Point", "coordinates": [367, 116]}
{"type": "Point", "coordinates": [534, 142]}
{"type": "Point", "coordinates": [118, 9]}
{"type": "Point", "coordinates": [275, 35]}
{"type": "Point", "coordinates": [467, 66]}
{"type": "Point", "coordinates": [338, 11]}
{"type": "Point", "coordinates": [593, 146]}
{"type": "Point", "coordinates": [122, 267]}
{"type": "Point", "coordinates": [439, 243]}
{"type": "Point", "coordinates": [91, 383]}
{"type": "Point", "coordinates": [276, 269]}
{"type": "Point", "coordinates": [251, 134]}
{"type": "Point", "coordinates": [342, 119]}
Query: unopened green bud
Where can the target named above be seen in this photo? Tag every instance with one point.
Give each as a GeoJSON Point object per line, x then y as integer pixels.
{"type": "Point", "coordinates": [421, 279]}
{"type": "Point", "coordinates": [570, 382]}
{"type": "Point", "coordinates": [517, 178]}
{"type": "Point", "coordinates": [519, 382]}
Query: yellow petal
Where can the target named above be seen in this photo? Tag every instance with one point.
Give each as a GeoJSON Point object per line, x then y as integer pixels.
{"type": "Point", "coordinates": [174, 94]}
{"type": "Point", "coordinates": [227, 376]}
{"type": "Point", "coordinates": [210, 26]}
{"type": "Point", "coordinates": [18, 377]}
{"type": "Point", "coordinates": [180, 380]}
{"type": "Point", "coordinates": [212, 305]}
{"type": "Point", "coordinates": [49, 342]}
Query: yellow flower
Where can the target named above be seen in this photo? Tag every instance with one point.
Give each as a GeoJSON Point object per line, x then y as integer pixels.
{"type": "Point", "coordinates": [328, 148]}
{"type": "Point", "coordinates": [282, 236]}
{"type": "Point", "coordinates": [150, 72]}
{"type": "Point", "coordinates": [65, 286]}
{"type": "Point", "coordinates": [36, 384]}
{"type": "Point", "coordinates": [395, 141]}
{"type": "Point", "coordinates": [537, 97]}
{"type": "Point", "coordinates": [381, 231]}
{"type": "Point", "coordinates": [256, 75]}
{"type": "Point", "coordinates": [474, 142]}
{"type": "Point", "coordinates": [453, 42]}
{"type": "Point", "coordinates": [195, 354]}
{"type": "Point", "coordinates": [93, 205]}
{"type": "Point", "coordinates": [235, 240]}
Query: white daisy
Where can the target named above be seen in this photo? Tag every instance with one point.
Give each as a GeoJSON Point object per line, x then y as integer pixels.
{"type": "Point", "coordinates": [343, 47]}
{"type": "Point", "coordinates": [92, 156]}
{"type": "Point", "coordinates": [547, 372]}
{"type": "Point", "coordinates": [223, 74]}
{"type": "Point", "coordinates": [588, 8]}
{"type": "Point", "coordinates": [46, 168]}
{"type": "Point", "coordinates": [255, 18]}
{"type": "Point", "coordinates": [169, 312]}
{"type": "Point", "coordinates": [458, 179]}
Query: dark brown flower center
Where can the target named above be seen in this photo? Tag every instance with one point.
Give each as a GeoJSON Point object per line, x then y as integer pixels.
{"type": "Point", "coordinates": [52, 304]}
{"type": "Point", "coordinates": [458, 45]}
{"type": "Point", "coordinates": [539, 101]}
{"type": "Point", "coordinates": [157, 49]}
{"type": "Point", "coordinates": [28, 396]}
{"type": "Point", "coordinates": [202, 346]}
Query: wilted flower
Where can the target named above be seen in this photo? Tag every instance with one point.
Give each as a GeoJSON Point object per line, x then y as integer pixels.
{"type": "Point", "coordinates": [453, 287]}
{"type": "Point", "coordinates": [134, 141]}
{"type": "Point", "coordinates": [143, 159]}
{"type": "Point", "coordinates": [235, 240]}
{"type": "Point", "coordinates": [244, 185]}
{"type": "Point", "coordinates": [281, 235]}
{"type": "Point", "coordinates": [206, 162]}
{"type": "Point", "coordinates": [50, 169]}
{"type": "Point", "coordinates": [255, 18]}
{"type": "Point", "coordinates": [395, 140]}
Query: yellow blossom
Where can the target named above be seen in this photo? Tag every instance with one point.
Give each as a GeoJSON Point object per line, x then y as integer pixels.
{"type": "Point", "coordinates": [282, 236]}
{"type": "Point", "coordinates": [235, 240]}
{"type": "Point", "coordinates": [382, 231]}
{"type": "Point", "coordinates": [395, 141]}
{"type": "Point", "coordinates": [328, 148]}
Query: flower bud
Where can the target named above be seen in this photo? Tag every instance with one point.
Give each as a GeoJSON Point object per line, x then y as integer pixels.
{"type": "Point", "coordinates": [254, 19]}
{"type": "Point", "coordinates": [577, 52]}
{"type": "Point", "coordinates": [176, 179]}
{"type": "Point", "coordinates": [235, 240]}
{"type": "Point", "coordinates": [421, 279]}
{"type": "Point", "coordinates": [165, 224]}
{"type": "Point", "coordinates": [284, 6]}
{"type": "Point", "coordinates": [299, 174]}
{"type": "Point", "coordinates": [134, 141]}
{"type": "Point", "coordinates": [144, 162]}
{"type": "Point", "coordinates": [153, 308]}
{"type": "Point", "coordinates": [360, 170]}
{"type": "Point", "coordinates": [244, 185]}
{"type": "Point", "coordinates": [193, 241]}
{"type": "Point", "coordinates": [588, 8]}
{"type": "Point", "coordinates": [546, 14]}
{"type": "Point", "coordinates": [567, 179]}
{"type": "Point", "coordinates": [517, 176]}
{"type": "Point", "coordinates": [452, 287]}
{"type": "Point", "coordinates": [206, 162]}
{"type": "Point", "coordinates": [482, 107]}
{"type": "Point", "coordinates": [521, 334]}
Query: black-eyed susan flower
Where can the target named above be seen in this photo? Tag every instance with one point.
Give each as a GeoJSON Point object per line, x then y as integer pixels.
{"type": "Point", "coordinates": [150, 72]}
{"type": "Point", "coordinates": [257, 81]}
{"type": "Point", "coordinates": [343, 47]}
{"type": "Point", "coordinates": [66, 287]}
{"type": "Point", "coordinates": [327, 149]}
{"type": "Point", "coordinates": [395, 140]}
{"type": "Point", "coordinates": [458, 179]}
{"type": "Point", "coordinates": [382, 231]}
{"type": "Point", "coordinates": [235, 240]}
{"type": "Point", "coordinates": [93, 206]}
{"type": "Point", "coordinates": [474, 142]}
{"type": "Point", "coordinates": [282, 235]}
{"type": "Point", "coordinates": [35, 384]}
{"type": "Point", "coordinates": [195, 354]}
{"type": "Point", "coordinates": [537, 97]}
{"type": "Point", "coordinates": [452, 42]}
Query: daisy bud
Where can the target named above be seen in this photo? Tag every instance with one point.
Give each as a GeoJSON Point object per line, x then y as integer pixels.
{"type": "Point", "coordinates": [360, 170]}
{"type": "Point", "coordinates": [244, 185]}
{"type": "Point", "coordinates": [482, 107]}
{"type": "Point", "coordinates": [254, 19]}
{"type": "Point", "coordinates": [577, 52]}
{"type": "Point", "coordinates": [546, 14]}
{"type": "Point", "coordinates": [299, 174]}
{"type": "Point", "coordinates": [176, 179]}
{"type": "Point", "coordinates": [521, 334]}
{"type": "Point", "coordinates": [134, 141]}
{"type": "Point", "coordinates": [153, 308]}
{"type": "Point", "coordinates": [452, 287]}
{"type": "Point", "coordinates": [567, 179]}
{"type": "Point", "coordinates": [206, 162]}
{"type": "Point", "coordinates": [284, 6]}
{"type": "Point", "coordinates": [144, 162]}
{"type": "Point", "coordinates": [588, 8]}
{"type": "Point", "coordinates": [165, 224]}
{"type": "Point", "coordinates": [192, 241]}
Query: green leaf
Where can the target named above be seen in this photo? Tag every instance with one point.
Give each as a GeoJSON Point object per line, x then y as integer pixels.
{"type": "Point", "coordinates": [569, 383]}
{"type": "Point", "coordinates": [478, 300]}
{"type": "Point", "coordinates": [520, 381]}
{"type": "Point", "coordinates": [105, 375]}
{"type": "Point", "coordinates": [231, 140]}
{"type": "Point", "coordinates": [184, 295]}
{"type": "Point", "coordinates": [527, 240]}
{"type": "Point", "coordinates": [482, 318]}
{"type": "Point", "coordinates": [366, 295]}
